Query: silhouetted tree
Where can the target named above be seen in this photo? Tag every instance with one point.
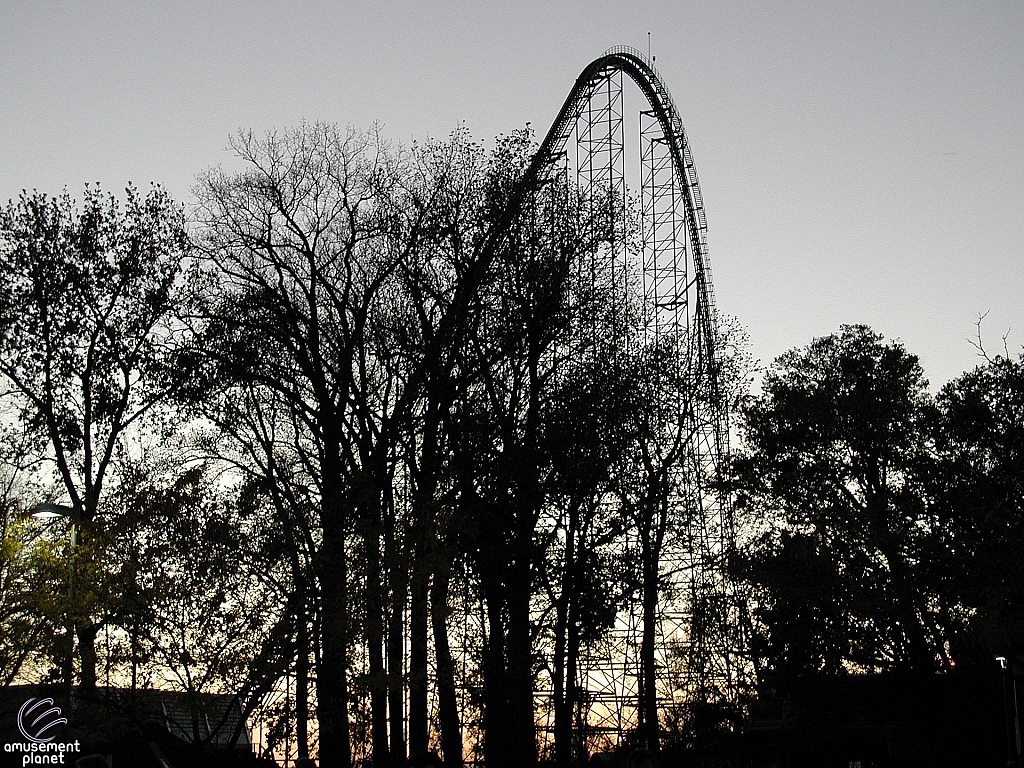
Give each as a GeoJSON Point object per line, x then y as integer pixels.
{"type": "Point", "coordinates": [346, 272]}
{"type": "Point", "coordinates": [255, 443]}
{"type": "Point", "coordinates": [585, 432]}
{"type": "Point", "coordinates": [88, 328]}
{"type": "Point", "coordinates": [448, 182]}
{"type": "Point", "coordinates": [518, 357]}
{"type": "Point", "coordinates": [299, 243]}
{"type": "Point", "coordinates": [978, 488]}
{"type": "Point", "coordinates": [831, 476]}
{"type": "Point", "coordinates": [195, 590]}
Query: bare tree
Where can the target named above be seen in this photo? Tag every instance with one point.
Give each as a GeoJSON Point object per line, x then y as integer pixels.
{"type": "Point", "coordinates": [308, 245]}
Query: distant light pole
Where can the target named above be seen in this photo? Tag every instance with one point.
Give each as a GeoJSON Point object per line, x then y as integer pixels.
{"type": "Point", "coordinates": [1012, 729]}
{"type": "Point", "coordinates": [48, 511]}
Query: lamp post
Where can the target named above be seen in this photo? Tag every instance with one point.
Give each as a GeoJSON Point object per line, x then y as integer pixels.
{"type": "Point", "coordinates": [1012, 728]}
{"type": "Point", "coordinates": [49, 511]}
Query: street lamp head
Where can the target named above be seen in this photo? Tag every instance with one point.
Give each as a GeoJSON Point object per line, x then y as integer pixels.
{"type": "Point", "coordinates": [48, 511]}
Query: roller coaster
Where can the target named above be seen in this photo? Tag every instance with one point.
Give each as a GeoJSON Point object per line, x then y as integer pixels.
{"type": "Point", "coordinates": [678, 649]}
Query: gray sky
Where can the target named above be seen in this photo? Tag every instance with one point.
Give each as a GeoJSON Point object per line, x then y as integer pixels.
{"type": "Point", "coordinates": [860, 161]}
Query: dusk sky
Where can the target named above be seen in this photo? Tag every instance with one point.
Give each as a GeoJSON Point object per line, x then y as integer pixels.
{"type": "Point", "coordinates": [861, 162]}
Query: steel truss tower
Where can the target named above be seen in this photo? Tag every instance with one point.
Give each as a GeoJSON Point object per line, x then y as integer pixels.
{"type": "Point", "coordinates": [684, 641]}
{"type": "Point", "coordinates": [694, 628]}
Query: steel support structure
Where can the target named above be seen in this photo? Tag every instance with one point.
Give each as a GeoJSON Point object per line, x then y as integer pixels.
{"type": "Point", "coordinates": [698, 636]}
{"type": "Point", "coordinates": [657, 255]}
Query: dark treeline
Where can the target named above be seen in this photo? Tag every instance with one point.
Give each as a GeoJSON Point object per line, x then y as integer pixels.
{"type": "Point", "coordinates": [882, 522]}
{"type": "Point", "coordinates": [325, 428]}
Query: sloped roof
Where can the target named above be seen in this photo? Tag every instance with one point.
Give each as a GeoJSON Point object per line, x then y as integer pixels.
{"type": "Point", "coordinates": [204, 718]}
{"type": "Point", "coordinates": [207, 719]}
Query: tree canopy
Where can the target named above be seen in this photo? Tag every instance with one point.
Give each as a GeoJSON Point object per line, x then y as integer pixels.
{"type": "Point", "coordinates": [88, 324]}
{"type": "Point", "coordinates": [876, 512]}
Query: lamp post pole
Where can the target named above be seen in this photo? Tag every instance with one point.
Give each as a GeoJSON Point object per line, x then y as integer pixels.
{"type": "Point", "coordinates": [48, 511]}
{"type": "Point", "coordinates": [1012, 726]}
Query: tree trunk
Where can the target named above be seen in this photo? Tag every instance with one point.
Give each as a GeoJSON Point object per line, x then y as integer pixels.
{"type": "Point", "coordinates": [418, 725]}
{"type": "Point", "coordinates": [302, 687]}
{"type": "Point", "coordinates": [396, 659]}
{"type": "Point", "coordinates": [424, 546]}
{"type": "Point", "coordinates": [562, 683]}
{"type": "Point", "coordinates": [577, 738]}
{"type": "Point", "coordinates": [87, 655]}
{"type": "Point", "coordinates": [332, 572]}
{"type": "Point", "coordinates": [520, 666]}
{"type": "Point", "coordinates": [332, 673]}
{"type": "Point", "coordinates": [375, 646]}
{"type": "Point", "coordinates": [497, 723]}
{"type": "Point", "coordinates": [648, 687]}
{"type": "Point", "coordinates": [447, 702]}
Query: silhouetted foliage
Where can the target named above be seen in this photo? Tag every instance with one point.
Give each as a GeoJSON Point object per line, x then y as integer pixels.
{"type": "Point", "coordinates": [882, 522]}
{"type": "Point", "coordinates": [978, 487]}
{"type": "Point", "coordinates": [88, 327]}
{"type": "Point", "coordinates": [835, 448]}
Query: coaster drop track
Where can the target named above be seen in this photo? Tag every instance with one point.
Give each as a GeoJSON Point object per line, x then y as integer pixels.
{"type": "Point", "coordinates": [681, 639]}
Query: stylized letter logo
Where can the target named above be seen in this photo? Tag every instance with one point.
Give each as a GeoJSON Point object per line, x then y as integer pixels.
{"type": "Point", "coordinates": [41, 719]}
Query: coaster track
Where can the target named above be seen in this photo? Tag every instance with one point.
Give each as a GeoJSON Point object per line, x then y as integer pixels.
{"type": "Point", "coordinates": [697, 634]}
